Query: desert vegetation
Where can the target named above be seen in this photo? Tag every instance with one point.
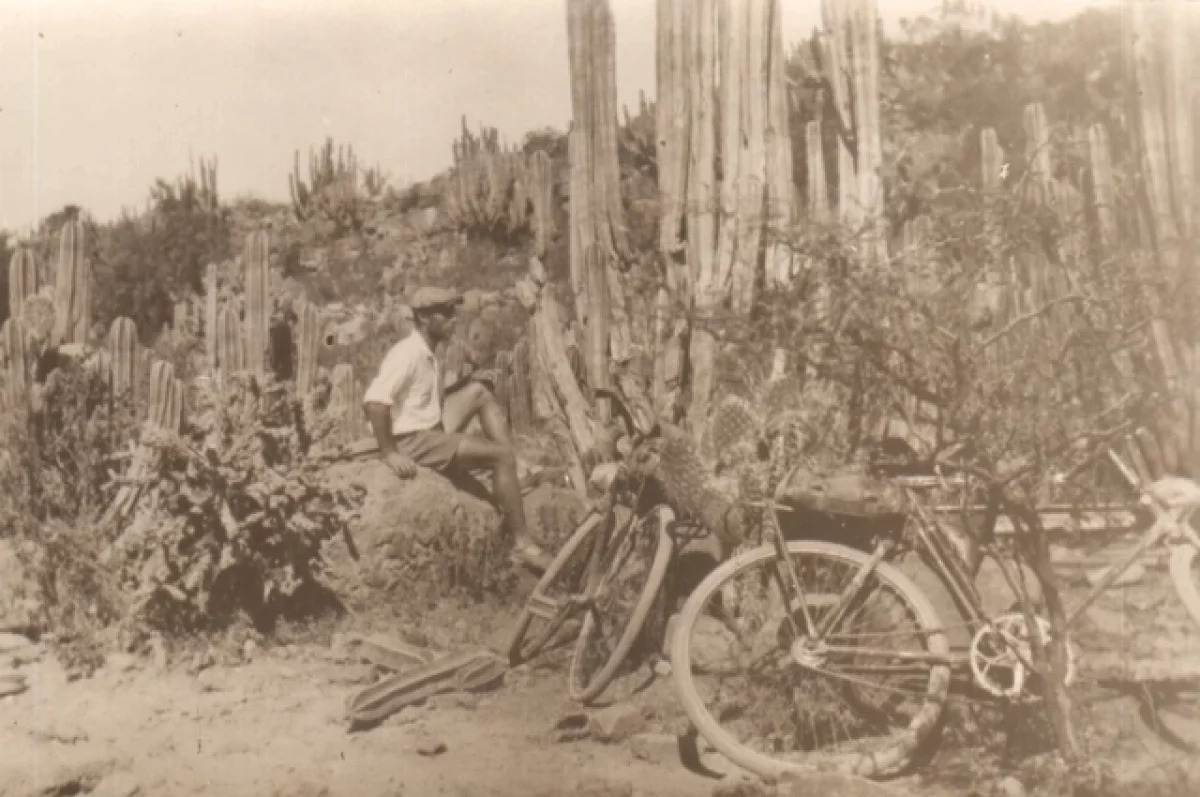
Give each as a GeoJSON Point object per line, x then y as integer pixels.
{"type": "Point", "coordinates": [979, 235]}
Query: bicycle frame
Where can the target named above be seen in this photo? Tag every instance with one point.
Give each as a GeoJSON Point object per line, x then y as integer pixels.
{"type": "Point", "coordinates": [946, 564]}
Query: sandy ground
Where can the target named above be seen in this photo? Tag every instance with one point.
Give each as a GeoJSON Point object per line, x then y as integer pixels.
{"type": "Point", "coordinates": [273, 723]}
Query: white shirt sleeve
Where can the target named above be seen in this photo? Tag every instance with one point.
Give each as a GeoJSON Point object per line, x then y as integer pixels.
{"type": "Point", "coordinates": [394, 377]}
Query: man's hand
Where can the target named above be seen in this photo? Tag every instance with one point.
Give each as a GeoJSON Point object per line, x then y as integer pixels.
{"type": "Point", "coordinates": [401, 464]}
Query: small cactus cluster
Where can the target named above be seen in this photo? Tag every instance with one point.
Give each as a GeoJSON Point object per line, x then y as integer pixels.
{"type": "Point", "coordinates": [500, 189]}
{"type": "Point", "coordinates": [331, 193]}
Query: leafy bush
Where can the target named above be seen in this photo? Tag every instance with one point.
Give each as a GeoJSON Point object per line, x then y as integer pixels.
{"type": "Point", "coordinates": [144, 264]}
{"type": "Point", "coordinates": [237, 510]}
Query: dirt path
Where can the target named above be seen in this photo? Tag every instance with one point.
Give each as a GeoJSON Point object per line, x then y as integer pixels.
{"type": "Point", "coordinates": [275, 726]}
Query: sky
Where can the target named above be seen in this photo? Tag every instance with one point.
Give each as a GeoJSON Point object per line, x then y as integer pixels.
{"type": "Point", "coordinates": [100, 97]}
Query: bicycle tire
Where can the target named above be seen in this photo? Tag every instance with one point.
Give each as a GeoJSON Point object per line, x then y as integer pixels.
{"type": "Point", "coordinates": [521, 649]}
{"type": "Point", "coordinates": [879, 764]}
{"type": "Point", "coordinates": [1182, 578]}
{"type": "Point", "coordinates": [587, 692]}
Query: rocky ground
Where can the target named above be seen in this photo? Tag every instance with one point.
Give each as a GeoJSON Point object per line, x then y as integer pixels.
{"type": "Point", "coordinates": [259, 717]}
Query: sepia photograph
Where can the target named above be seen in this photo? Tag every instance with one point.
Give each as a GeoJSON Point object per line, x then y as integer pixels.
{"type": "Point", "coordinates": [410, 398]}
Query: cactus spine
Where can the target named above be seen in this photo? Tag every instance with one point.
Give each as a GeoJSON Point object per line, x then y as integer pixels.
{"type": "Point", "coordinates": [23, 280]}
{"type": "Point", "coordinates": [72, 288]}
{"type": "Point", "coordinates": [123, 355]}
{"type": "Point", "coordinates": [258, 302]}
{"type": "Point", "coordinates": [308, 343]}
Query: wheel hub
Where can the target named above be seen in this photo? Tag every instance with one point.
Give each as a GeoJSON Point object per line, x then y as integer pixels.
{"type": "Point", "coordinates": [809, 653]}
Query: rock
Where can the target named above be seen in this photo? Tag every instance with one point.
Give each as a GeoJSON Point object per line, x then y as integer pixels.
{"type": "Point", "coordinates": [459, 700]}
{"type": "Point", "coordinates": [12, 643]}
{"type": "Point", "coordinates": [118, 784]}
{"type": "Point", "coordinates": [712, 643]}
{"type": "Point", "coordinates": [746, 788]}
{"type": "Point", "coordinates": [431, 747]}
{"type": "Point", "coordinates": [614, 723]}
{"type": "Point", "coordinates": [12, 683]}
{"type": "Point", "coordinates": [537, 271]}
{"type": "Point", "coordinates": [121, 662]}
{"type": "Point", "coordinates": [662, 668]}
{"type": "Point", "coordinates": [1009, 787]}
{"type": "Point", "coordinates": [825, 784]}
{"type": "Point", "coordinates": [527, 294]}
{"type": "Point", "coordinates": [159, 649]}
{"type": "Point", "coordinates": [570, 727]}
{"type": "Point", "coordinates": [656, 748]}
{"type": "Point", "coordinates": [598, 786]}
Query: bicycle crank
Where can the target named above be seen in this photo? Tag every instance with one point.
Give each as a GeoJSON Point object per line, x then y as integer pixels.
{"type": "Point", "coordinates": [1000, 653]}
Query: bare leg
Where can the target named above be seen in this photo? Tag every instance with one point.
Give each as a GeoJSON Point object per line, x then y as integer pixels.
{"type": "Point", "coordinates": [475, 452]}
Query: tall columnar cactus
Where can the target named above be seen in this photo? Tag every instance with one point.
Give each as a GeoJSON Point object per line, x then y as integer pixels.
{"type": "Point", "coordinates": [308, 344]}
{"type": "Point", "coordinates": [541, 194]}
{"type": "Point", "coordinates": [72, 288]}
{"type": "Point", "coordinates": [124, 357]}
{"type": "Point", "coordinates": [520, 387]}
{"type": "Point", "coordinates": [210, 316]}
{"type": "Point", "coordinates": [230, 346]}
{"type": "Point", "coordinates": [165, 408]}
{"type": "Point", "coordinates": [258, 302]}
{"type": "Point", "coordinates": [181, 319]}
{"type": "Point", "coordinates": [1103, 195]}
{"type": "Point", "coordinates": [991, 159]}
{"type": "Point", "coordinates": [15, 342]}
{"type": "Point", "coordinates": [344, 401]}
{"type": "Point", "coordinates": [23, 280]}
{"type": "Point", "coordinates": [818, 186]}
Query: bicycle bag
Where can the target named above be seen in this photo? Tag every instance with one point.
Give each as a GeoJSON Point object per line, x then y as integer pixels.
{"type": "Point", "coordinates": [843, 493]}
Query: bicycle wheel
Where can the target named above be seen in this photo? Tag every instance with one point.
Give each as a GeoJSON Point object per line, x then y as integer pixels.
{"type": "Point", "coordinates": [1185, 576]}
{"type": "Point", "coordinates": [622, 601]}
{"type": "Point", "coordinates": [548, 607]}
{"type": "Point", "coordinates": [881, 731]}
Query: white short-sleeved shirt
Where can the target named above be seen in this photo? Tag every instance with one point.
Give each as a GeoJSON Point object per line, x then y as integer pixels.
{"type": "Point", "coordinates": [409, 381]}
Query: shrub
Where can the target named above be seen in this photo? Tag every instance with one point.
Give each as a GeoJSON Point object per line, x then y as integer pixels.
{"type": "Point", "coordinates": [238, 510]}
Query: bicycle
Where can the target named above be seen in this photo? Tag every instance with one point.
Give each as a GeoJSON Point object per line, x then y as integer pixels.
{"type": "Point", "coordinates": [609, 575]}
{"type": "Point", "coordinates": [818, 638]}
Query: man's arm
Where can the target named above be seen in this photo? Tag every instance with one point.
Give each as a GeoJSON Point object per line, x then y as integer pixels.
{"type": "Point", "coordinates": [380, 416]}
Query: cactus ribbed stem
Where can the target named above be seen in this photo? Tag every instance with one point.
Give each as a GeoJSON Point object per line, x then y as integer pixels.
{"type": "Point", "coordinates": [258, 302]}
{"type": "Point", "coordinates": [124, 357]}
{"type": "Point", "coordinates": [165, 408]}
{"type": "Point", "coordinates": [344, 402]}
{"type": "Point", "coordinates": [991, 159]}
{"type": "Point", "coordinates": [15, 342]}
{"type": "Point", "coordinates": [210, 316]}
{"type": "Point", "coordinates": [231, 350]}
{"type": "Point", "coordinates": [308, 343]}
{"type": "Point", "coordinates": [23, 280]}
{"type": "Point", "coordinates": [818, 186]}
{"type": "Point", "coordinates": [72, 288]}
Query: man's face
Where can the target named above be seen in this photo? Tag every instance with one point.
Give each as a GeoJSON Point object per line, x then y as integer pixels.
{"type": "Point", "coordinates": [440, 323]}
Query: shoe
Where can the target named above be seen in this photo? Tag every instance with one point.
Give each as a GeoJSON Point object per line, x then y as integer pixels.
{"type": "Point", "coordinates": [532, 556]}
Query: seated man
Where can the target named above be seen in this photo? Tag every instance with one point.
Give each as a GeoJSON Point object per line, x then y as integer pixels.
{"type": "Point", "coordinates": [414, 426]}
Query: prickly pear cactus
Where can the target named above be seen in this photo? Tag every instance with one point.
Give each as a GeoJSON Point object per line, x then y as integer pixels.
{"type": "Point", "coordinates": [123, 357]}
{"type": "Point", "coordinates": [734, 430]}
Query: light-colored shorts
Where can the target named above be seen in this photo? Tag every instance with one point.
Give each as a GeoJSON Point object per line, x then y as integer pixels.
{"type": "Point", "coordinates": [430, 448]}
